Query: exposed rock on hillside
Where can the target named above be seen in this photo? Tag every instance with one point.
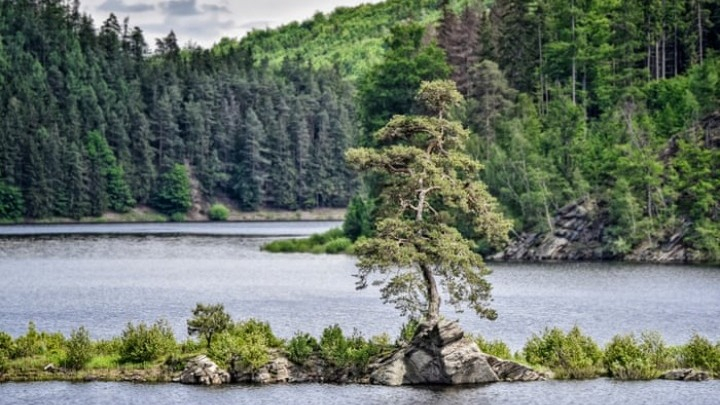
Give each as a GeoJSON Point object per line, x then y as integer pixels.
{"type": "Point", "coordinates": [579, 233]}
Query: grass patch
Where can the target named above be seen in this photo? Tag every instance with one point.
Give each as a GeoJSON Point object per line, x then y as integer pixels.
{"type": "Point", "coordinates": [333, 241]}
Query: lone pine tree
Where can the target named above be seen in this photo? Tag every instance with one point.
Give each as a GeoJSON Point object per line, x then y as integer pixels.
{"type": "Point", "coordinates": [427, 184]}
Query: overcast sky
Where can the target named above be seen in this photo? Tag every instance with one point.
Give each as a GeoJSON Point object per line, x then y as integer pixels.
{"type": "Point", "coordinates": [204, 22]}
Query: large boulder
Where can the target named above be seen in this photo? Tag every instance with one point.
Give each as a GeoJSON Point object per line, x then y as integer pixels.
{"type": "Point", "coordinates": [685, 374]}
{"type": "Point", "coordinates": [438, 354]}
{"type": "Point", "coordinates": [510, 371]}
{"type": "Point", "coordinates": [201, 370]}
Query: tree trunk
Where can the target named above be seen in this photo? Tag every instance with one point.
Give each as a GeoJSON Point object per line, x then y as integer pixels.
{"type": "Point", "coordinates": [433, 296]}
{"type": "Point", "coordinates": [574, 67]}
{"type": "Point", "coordinates": [700, 31]}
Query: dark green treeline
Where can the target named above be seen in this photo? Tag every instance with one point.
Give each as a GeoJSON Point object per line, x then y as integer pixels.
{"type": "Point", "coordinates": [613, 101]}
{"type": "Point", "coordinates": [90, 120]}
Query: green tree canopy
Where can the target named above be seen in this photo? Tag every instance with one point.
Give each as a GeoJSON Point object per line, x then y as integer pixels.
{"type": "Point", "coordinates": [429, 181]}
{"type": "Point", "coordinates": [208, 320]}
{"type": "Point", "coordinates": [173, 193]}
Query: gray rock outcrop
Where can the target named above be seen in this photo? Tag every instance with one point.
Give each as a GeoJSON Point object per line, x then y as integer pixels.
{"type": "Point", "coordinates": [579, 232]}
{"type": "Point", "coordinates": [278, 370]}
{"type": "Point", "coordinates": [203, 371]}
{"type": "Point", "coordinates": [438, 354]}
{"type": "Point", "coordinates": [685, 374]}
{"type": "Point", "coordinates": [510, 371]}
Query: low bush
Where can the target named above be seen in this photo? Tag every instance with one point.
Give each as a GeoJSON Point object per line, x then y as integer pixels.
{"type": "Point", "coordinates": [218, 212]}
{"type": "Point", "coordinates": [35, 343]}
{"type": "Point", "coordinates": [332, 242]}
{"type": "Point", "coordinates": [301, 347]}
{"type": "Point", "coordinates": [570, 355]}
{"type": "Point", "coordinates": [334, 346]}
{"type": "Point", "coordinates": [78, 349]}
{"type": "Point", "coordinates": [250, 341]}
{"type": "Point", "coordinates": [495, 348]}
{"type": "Point", "coordinates": [340, 245]}
{"type": "Point", "coordinates": [626, 360]}
{"type": "Point", "coordinates": [407, 332]}
{"type": "Point", "coordinates": [7, 347]}
{"type": "Point", "coordinates": [142, 344]}
{"type": "Point", "coordinates": [178, 217]}
{"type": "Point", "coordinates": [701, 354]}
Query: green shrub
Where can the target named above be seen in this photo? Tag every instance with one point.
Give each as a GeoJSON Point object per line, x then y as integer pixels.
{"type": "Point", "coordinates": [250, 341]}
{"type": "Point", "coordinates": [208, 320]}
{"type": "Point", "coordinates": [407, 332]}
{"type": "Point", "coordinates": [301, 347]}
{"type": "Point", "coordinates": [78, 349]}
{"type": "Point", "coordinates": [657, 352]}
{"type": "Point", "coordinates": [332, 241]}
{"type": "Point", "coordinates": [700, 353]}
{"type": "Point", "coordinates": [255, 327]}
{"type": "Point", "coordinates": [111, 347]}
{"type": "Point", "coordinates": [495, 348]}
{"type": "Point", "coordinates": [223, 347]}
{"type": "Point", "coordinates": [12, 205]}
{"type": "Point", "coordinates": [625, 359]}
{"type": "Point", "coordinates": [173, 194]}
{"type": "Point", "coordinates": [334, 346]}
{"type": "Point", "coordinates": [358, 220]}
{"type": "Point", "coordinates": [218, 212]}
{"type": "Point", "coordinates": [178, 217]}
{"type": "Point", "coordinates": [570, 356]}
{"type": "Point", "coordinates": [7, 347]}
{"type": "Point", "coordinates": [339, 245]}
{"type": "Point", "coordinates": [142, 344]}
{"type": "Point", "coordinates": [35, 343]}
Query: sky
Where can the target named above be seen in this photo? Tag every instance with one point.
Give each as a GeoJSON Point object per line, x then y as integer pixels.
{"type": "Point", "coordinates": [204, 22]}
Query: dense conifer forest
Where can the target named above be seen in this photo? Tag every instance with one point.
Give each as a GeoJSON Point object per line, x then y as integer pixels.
{"type": "Point", "coordinates": [614, 101]}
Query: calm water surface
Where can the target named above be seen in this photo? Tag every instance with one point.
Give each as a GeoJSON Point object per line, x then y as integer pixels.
{"type": "Point", "coordinates": [601, 391]}
{"type": "Point", "coordinates": [103, 282]}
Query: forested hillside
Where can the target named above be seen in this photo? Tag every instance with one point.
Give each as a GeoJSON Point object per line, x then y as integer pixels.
{"type": "Point", "coordinates": [92, 121]}
{"type": "Point", "coordinates": [614, 102]}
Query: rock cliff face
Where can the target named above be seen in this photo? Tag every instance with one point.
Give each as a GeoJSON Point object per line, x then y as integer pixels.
{"type": "Point", "coordinates": [579, 233]}
{"type": "Point", "coordinates": [438, 354]}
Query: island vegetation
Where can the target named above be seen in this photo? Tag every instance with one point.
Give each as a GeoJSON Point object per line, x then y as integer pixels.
{"type": "Point", "coordinates": [152, 353]}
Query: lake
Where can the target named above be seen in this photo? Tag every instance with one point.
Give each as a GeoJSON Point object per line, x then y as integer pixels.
{"type": "Point", "coordinates": [103, 276]}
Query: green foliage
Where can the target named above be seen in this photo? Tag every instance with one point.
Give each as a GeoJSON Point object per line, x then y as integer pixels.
{"type": "Point", "coordinates": [625, 360]}
{"type": "Point", "coordinates": [79, 349]}
{"type": "Point", "coordinates": [11, 202]}
{"type": "Point", "coordinates": [173, 192]}
{"type": "Point", "coordinates": [358, 222]}
{"type": "Point", "coordinates": [142, 343]}
{"type": "Point", "coordinates": [700, 353]}
{"type": "Point", "coordinates": [34, 343]}
{"type": "Point", "coordinates": [207, 321]}
{"type": "Point", "coordinates": [178, 217]}
{"type": "Point", "coordinates": [300, 347]}
{"type": "Point", "coordinates": [218, 212]}
{"type": "Point", "coordinates": [570, 355]}
{"type": "Point", "coordinates": [249, 341]}
{"type": "Point", "coordinates": [390, 87]}
{"type": "Point", "coordinates": [496, 348]}
{"type": "Point", "coordinates": [339, 245]}
{"type": "Point", "coordinates": [428, 182]}
{"type": "Point", "coordinates": [7, 348]}
{"type": "Point", "coordinates": [334, 346]}
{"type": "Point", "coordinates": [331, 242]}
{"type": "Point", "coordinates": [407, 331]}
{"type": "Point", "coordinates": [354, 351]}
